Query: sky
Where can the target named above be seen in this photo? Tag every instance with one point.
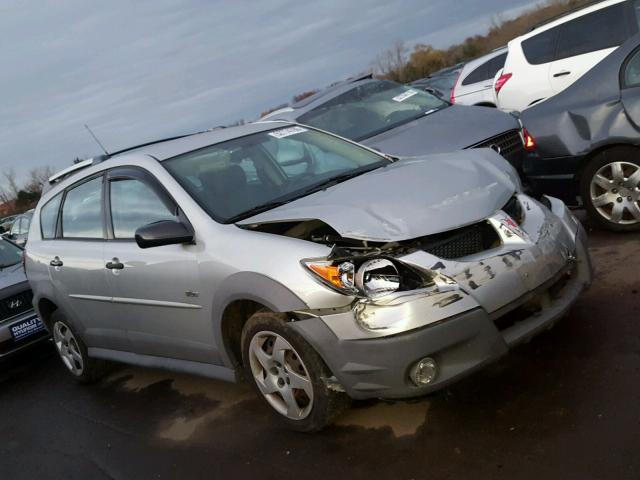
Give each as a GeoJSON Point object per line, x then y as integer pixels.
{"type": "Point", "coordinates": [143, 70]}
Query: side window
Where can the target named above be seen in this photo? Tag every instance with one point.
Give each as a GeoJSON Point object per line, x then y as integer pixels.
{"type": "Point", "coordinates": [133, 205]}
{"type": "Point", "coordinates": [24, 225]}
{"type": "Point", "coordinates": [15, 228]}
{"type": "Point", "coordinates": [49, 216]}
{"type": "Point", "coordinates": [631, 74]}
{"type": "Point", "coordinates": [496, 64]}
{"type": "Point", "coordinates": [480, 74]}
{"type": "Point", "coordinates": [540, 48]}
{"type": "Point", "coordinates": [595, 31]}
{"type": "Point", "coordinates": [82, 211]}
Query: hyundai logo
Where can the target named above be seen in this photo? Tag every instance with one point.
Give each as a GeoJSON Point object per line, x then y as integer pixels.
{"type": "Point", "coordinates": [16, 303]}
{"type": "Point", "coordinates": [495, 148]}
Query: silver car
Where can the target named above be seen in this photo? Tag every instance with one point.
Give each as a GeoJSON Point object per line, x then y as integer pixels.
{"type": "Point", "coordinates": [318, 269]}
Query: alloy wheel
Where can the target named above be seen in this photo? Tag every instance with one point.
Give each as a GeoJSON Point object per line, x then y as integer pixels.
{"type": "Point", "coordinates": [68, 348]}
{"type": "Point", "coordinates": [281, 375]}
{"type": "Point", "coordinates": [615, 192]}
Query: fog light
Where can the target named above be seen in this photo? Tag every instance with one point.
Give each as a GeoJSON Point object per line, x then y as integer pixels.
{"type": "Point", "coordinates": [424, 371]}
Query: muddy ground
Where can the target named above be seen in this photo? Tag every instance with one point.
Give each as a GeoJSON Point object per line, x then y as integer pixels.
{"type": "Point", "coordinates": [566, 405]}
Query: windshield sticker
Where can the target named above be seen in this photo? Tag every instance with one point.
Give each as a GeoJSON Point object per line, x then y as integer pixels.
{"type": "Point", "coordinates": [403, 96]}
{"type": "Point", "coordinates": [286, 132]}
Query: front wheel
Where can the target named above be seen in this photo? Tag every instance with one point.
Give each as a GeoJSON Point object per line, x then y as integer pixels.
{"type": "Point", "coordinates": [288, 374]}
{"type": "Point", "coordinates": [610, 190]}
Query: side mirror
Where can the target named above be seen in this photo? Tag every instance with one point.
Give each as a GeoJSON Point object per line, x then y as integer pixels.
{"type": "Point", "coordinates": [166, 232]}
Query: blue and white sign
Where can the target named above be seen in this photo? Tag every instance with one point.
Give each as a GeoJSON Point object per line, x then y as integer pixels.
{"type": "Point", "coordinates": [26, 328]}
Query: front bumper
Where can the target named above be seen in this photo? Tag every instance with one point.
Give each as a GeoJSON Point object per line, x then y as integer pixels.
{"type": "Point", "coordinates": [480, 326]}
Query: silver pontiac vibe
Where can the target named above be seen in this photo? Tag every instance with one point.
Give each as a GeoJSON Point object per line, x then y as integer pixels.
{"type": "Point", "coordinates": [316, 268]}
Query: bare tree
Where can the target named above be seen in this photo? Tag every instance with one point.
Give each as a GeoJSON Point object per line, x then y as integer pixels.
{"type": "Point", "coordinates": [390, 63]}
{"type": "Point", "coordinates": [10, 182]}
{"type": "Point", "coordinates": [37, 178]}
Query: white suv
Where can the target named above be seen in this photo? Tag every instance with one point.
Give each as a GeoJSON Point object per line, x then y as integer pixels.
{"type": "Point", "coordinates": [475, 83]}
{"type": "Point", "coordinates": [548, 59]}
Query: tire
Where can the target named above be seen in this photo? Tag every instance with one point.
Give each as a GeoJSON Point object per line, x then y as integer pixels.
{"type": "Point", "coordinates": [610, 189]}
{"type": "Point", "coordinates": [308, 408]}
{"type": "Point", "coordinates": [73, 352]}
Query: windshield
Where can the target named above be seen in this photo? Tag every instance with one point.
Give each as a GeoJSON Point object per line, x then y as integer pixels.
{"type": "Point", "coordinates": [9, 254]}
{"type": "Point", "coordinates": [241, 177]}
{"type": "Point", "coordinates": [371, 108]}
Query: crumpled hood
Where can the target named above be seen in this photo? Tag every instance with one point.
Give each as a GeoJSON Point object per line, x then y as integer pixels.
{"type": "Point", "coordinates": [452, 128]}
{"type": "Point", "coordinates": [11, 275]}
{"type": "Point", "coordinates": [408, 199]}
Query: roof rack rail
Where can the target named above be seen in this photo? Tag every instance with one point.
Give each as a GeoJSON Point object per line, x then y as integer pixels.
{"type": "Point", "coordinates": [562, 15]}
{"type": "Point", "coordinates": [62, 174]}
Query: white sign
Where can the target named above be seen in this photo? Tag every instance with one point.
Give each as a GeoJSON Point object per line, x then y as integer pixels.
{"type": "Point", "coordinates": [286, 132]}
{"type": "Point", "coordinates": [403, 96]}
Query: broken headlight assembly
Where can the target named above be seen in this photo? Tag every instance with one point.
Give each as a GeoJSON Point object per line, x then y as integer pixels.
{"type": "Point", "coordinates": [367, 277]}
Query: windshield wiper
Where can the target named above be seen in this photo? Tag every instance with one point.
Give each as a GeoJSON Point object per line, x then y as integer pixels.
{"type": "Point", "coordinates": [256, 210]}
{"type": "Point", "coordinates": [330, 182]}
{"type": "Point", "coordinates": [313, 188]}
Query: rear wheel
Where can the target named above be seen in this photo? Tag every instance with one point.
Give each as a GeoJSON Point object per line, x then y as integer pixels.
{"type": "Point", "coordinates": [610, 189]}
{"type": "Point", "coordinates": [73, 352]}
{"type": "Point", "coordinates": [288, 374]}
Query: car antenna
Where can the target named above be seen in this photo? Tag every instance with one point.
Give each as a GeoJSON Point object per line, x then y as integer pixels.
{"type": "Point", "coordinates": [96, 139]}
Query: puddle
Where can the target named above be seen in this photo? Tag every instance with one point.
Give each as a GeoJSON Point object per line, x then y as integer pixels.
{"type": "Point", "coordinates": [182, 428]}
{"type": "Point", "coordinates": [403, 418]}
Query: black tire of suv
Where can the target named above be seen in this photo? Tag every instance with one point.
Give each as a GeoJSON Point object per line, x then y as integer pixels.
{"type": "Point", "coordinates": [621, 154]}
{"type": "Point", "coordinates": [327, 403]}
{"type": "Point", "coordinates": [93, 369]}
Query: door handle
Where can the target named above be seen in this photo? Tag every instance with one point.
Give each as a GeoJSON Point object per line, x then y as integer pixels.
{"type": "Point", "coordinates": [562, 74]}
{"type": "Point", "coordinates": [56, 262]}
{"type": "Point", "coordinates": [114, 264]}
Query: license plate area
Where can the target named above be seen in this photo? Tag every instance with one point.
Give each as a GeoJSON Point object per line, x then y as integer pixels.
{"type": "Point", "coordinates": [26, 328]}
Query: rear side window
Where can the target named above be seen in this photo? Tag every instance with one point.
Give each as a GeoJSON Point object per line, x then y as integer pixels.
{"type": "Point", "coordinates": [496, 64]}
{"type": "Point", "coordinates": [82, 211]}
{"type": "Point", "coordinates": [540, 48]}
{"type": "Point", "coordinates": [480, 74]}
{"type": "Point", "coordinates": [631, 74]}
{"type": "Point", "coordinates": [602, 29]}
{"type": "Point", "coordinates": [133, 205]}
{"type": "Point", "coordinates": [49, 217]}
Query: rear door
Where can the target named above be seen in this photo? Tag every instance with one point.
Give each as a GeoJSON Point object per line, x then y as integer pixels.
{"type": "Point", "coordinates": [155, 290]}
{"type": "Point", "coordinates": [76, 264]}
{"type": "Point", "coordinates": [586, 40]}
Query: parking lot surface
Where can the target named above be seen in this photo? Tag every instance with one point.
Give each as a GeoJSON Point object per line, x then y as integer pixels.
{"type": "Point", "coordinates": [565, 405]}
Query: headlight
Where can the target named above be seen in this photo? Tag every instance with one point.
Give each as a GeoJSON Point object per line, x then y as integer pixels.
{"type": "Point", "coordinates": [377, 278]}
{"type": "Point", "coordinates": [366, 277]}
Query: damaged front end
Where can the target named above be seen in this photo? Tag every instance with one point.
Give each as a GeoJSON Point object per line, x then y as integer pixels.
{"type": "Point", "coordinates": [458, 299]}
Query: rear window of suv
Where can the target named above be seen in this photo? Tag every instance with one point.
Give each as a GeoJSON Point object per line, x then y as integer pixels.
{"type": "Point", "coordinates": [605, 28]}
{"type": "Point", "coordinates": [540, 48]}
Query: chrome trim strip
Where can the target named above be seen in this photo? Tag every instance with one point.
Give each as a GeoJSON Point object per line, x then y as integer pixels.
{"type": "Point", "coordinates": [136, 301]}
{"type": "Point", "coordinates": [154, 303]}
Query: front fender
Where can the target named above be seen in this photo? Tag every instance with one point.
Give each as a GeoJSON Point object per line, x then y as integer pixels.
{"type": "Point", "coordinates": [255, 287]}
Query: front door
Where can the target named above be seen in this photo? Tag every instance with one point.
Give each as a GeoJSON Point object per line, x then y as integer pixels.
{"type": "Point", "coordinates": [155, 290]}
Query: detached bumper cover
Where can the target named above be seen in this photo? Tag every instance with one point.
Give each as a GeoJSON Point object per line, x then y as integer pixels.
{"type": "Point", "coordinates": [460, 344]}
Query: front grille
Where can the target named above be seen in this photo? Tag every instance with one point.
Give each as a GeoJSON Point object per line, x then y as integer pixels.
{"type": "Point", "coordinates": [15, 305]}
{"type": "Point", "coordinates": [510, 145]}
{"type": "Point", "coordinates": [461, 242]}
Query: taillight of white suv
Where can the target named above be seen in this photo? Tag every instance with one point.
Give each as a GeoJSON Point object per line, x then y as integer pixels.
{"type": "Point", "coordinates": [504, 78]}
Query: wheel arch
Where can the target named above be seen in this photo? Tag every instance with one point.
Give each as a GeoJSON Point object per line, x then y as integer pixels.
{"type": "Point", "coordinates": [600, 150]}
{"type": "Point", "coordinates": [45, 308]}
{"type": "Point", "coordinates": [240, 296]}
